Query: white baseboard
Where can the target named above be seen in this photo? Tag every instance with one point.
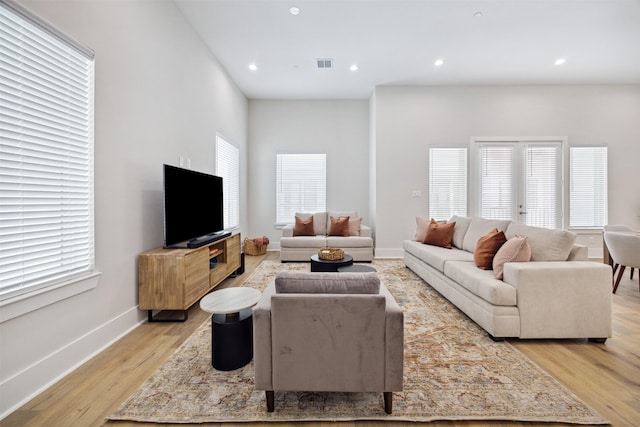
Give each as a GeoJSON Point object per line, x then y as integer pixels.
{"type": "Point", "coordinates": [33, 380]}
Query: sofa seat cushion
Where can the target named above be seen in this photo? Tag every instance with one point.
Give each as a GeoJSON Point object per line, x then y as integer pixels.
{"type": "Point", "coordinates": [481, 283]}
{"type": "Point", "coordinates": [546, 244]}
{"type": "Point", "coordinates": [303, 242]}
{"type": "Point", "coordinates": [349, 242]}
{"type": "Point", "coordinates": [436, 256]}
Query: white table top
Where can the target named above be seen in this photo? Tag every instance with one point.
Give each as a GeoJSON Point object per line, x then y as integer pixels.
{"type": "Point", "coordinates": [230, 300]}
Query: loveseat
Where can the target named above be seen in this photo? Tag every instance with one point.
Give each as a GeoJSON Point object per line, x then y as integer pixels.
{"type": "Point", "coordinates": [358, 242]}
{"type": "Point", "coordinates": [557, 294]}
{"type": "Point", "coordinates": [329, 332]}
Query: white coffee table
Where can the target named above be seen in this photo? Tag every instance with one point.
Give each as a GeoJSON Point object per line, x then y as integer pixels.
{"type": "Point", "coordinates": [231, 326]}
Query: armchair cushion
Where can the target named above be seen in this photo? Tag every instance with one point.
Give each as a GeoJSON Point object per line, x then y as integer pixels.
{"type": "Point", "coordinates": [327, 283]}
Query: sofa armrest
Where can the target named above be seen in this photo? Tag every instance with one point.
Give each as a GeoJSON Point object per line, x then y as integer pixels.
{"type": "Point", "coordinates": [394, 342]}
{"type": "Point", "coordinates": [365, 230]}
{"type": "Point", "coordinates": [287, 230]}
{"type": "Point", "coordinates": [562, 299]}
{"type": "Point", "coordinates": [262, 340]}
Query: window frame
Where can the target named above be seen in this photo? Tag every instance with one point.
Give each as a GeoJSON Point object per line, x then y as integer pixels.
{"type": "Point", "coordinates": [22, 299]}
{"type": "Point", "coordinates": [228, 167]}
{"type": "Point", "coordinates": [286, 215]}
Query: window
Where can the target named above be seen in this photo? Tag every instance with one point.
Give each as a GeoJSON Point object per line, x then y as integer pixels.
{"type": "Point", "coordinates": [46, 155]}
{"type": "Point", "coordinates": [522, 181]}
{"type": "Point", "coordinates": [300, 185]}
{"type": "Point", "coordinates": [228, 167]}
{"type": "Point", "coordinates": [588, 187]}
{"type": "Point", "coordinates": [447, 182]}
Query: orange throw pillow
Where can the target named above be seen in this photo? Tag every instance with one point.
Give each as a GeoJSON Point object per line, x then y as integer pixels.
{"type": "Point", "coordinates": [487, 247]}
{"type": "Point", "coordinates": [339, 227]}
{"type": "Point", "coordinates": [440, 234]}
{"type": "Point", "coordinates": [304, 227]}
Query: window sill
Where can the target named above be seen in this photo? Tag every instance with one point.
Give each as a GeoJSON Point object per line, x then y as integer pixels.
{"type": "Point", "coordinates": [26, 303]}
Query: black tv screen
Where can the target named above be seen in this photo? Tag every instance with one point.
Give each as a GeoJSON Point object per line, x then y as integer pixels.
{"type": "Point", "coordinates": [192, 206]}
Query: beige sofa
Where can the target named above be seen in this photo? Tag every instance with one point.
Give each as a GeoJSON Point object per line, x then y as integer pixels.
{"type": "Point", "coordinates": [300, 248]}
{"type": "Point", "coordinates": [559, 294]}
{"type": "Point", "coordinates": [329, 332]}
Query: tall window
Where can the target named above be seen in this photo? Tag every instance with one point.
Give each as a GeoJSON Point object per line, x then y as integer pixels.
{"type": "Point", "coordinates": [522, 181]}
{"type": "Point", "coordinates": [46, 155]}
{"type": "Point", "coordinates": [300, 185]}
{"type": "Point", "coordinates": [447, 182]}
{"type": "Point", "coordinates": [228, 167]}
{"type": "Point", "coordinates": [588, 187]}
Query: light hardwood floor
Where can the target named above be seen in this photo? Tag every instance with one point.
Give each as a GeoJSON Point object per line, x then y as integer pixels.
{"type": "Point", "coordinates": [607, 377]}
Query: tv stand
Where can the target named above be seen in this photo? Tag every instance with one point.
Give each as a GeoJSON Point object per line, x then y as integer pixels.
{"type": "Point", "coordinates": [205, 240]}
{"type": "Point", "coordinates": [175, 279]}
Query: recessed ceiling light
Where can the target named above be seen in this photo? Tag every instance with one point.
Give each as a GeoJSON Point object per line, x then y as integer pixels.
{"type": "Point", "coordinates": [294, 11]}
{"type": "Point", "coordinates": [438, 62]}
{"type": "Point", "coordinates": [253, 67]}
{"type": "Point", "coordinates": [477, 15]}
{"type": "Point", "coordinates": [354, 67]}
{"type": "Point", "coordinates": [560, 61]}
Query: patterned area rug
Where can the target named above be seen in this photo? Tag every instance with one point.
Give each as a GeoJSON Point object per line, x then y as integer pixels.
{"type": "Point", "coordinates": [453, 371]}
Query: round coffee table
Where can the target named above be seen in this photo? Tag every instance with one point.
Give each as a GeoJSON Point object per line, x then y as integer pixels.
{"type": "Point", "coordinates": [322, 265]}
{"type": "Point", "coordinates": [231, 326]}
{"type": "Point", "coordinates": [356, 268]}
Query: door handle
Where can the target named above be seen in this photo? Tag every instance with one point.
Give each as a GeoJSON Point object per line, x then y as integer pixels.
{"type": "Point", "coordinates": [522, 213]}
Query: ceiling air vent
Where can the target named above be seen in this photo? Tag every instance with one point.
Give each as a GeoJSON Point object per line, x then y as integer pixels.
{"type": "Point", "coordinates": [324, 63]}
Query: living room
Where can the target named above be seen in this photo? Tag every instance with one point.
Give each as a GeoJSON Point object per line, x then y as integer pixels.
{"type": "Point", "coordinates": [161, 96]}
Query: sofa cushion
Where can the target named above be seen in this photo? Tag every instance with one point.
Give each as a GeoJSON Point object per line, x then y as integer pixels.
{"type": "Point", "coordinates": [319, 221]}
{"type": "Point", "coordinates": [462, 225]}
{"type": "Point", "coordinates": [355, 225]}
{"type": "Point", "coordinates": [516, 249]}
{"type": "Point", "coordinates": [422, 225]}
{"type": "Point", "coordinates": [304, 227]}
{"type": "Point", "coordinates": [339, 226]}
{"type": "Point", "coordinates": [478, 227]}
{"type": "Point", "coordinates": [302, 282]}
{"type": "Point", "coordinates": [440, 234]}
{"type": "Point", "coordinates": [487, 247]}
{"type": "Point", "coordinates": [304, 242]}
{"type": "Point", "coordinates": [546, 244]}
{"type": "Point", "coordinates": [349, 242]}
{"type": "Point", "coordinates": [436, 256]}
{"type": "Point", "coordinates": [481, 283]}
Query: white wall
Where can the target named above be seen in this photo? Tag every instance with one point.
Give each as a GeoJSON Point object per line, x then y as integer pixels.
{"type": "Point", "coordinates": [408, 119]}
{"type": "Point", "coordinates": [338, 128]}
{"type": "Point", "coordinates": [160, 94]}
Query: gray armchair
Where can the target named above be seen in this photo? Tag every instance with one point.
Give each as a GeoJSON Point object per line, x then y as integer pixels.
{"type": "Point", "coordinates": [329, 332]}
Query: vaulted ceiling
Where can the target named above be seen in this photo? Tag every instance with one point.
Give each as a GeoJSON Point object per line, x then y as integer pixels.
{"type": "Point", "coordinates": [397, 42]}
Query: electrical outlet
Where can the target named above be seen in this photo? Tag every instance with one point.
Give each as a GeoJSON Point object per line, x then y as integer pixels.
{"type": "Point", "coordinates": [188, 163]}
{"type": "Point", "coordinates": [416, 193]}
{"type": "Point", "coordinates": [181, 161]}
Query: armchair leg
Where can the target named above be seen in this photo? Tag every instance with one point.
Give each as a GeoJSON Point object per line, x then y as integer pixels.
{"type": "Point", "coordinates": [615, 286]}
{"type": "Point", "coordinates": [388, 402]}
{"type": "Point", "coordinates": [270, 399]}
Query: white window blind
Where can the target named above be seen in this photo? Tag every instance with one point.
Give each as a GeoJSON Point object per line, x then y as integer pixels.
{"type": "Point", "coordinates": [300, 185]}
{"type": "Point", "coordinates": [447, 182]}
{"type": "Point", "coordinates": [46, 155]}
{"type": "Point", "coordinates": [543, 185]}
{"type": "Point", "coordinates": [228, 167]}
{"type": "Point", "coordinates": [588, 187]}
{"type": "Point", "coordinates": [497, 180]}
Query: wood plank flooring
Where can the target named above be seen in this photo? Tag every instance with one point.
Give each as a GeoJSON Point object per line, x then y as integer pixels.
{"type": "Point", "coordinates": [607, 377]}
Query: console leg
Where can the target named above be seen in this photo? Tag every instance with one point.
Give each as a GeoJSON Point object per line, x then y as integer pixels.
{"type": "Point", "coordinates": [270, 400]}
{"type": "Point", "coordinates": [388, 402]}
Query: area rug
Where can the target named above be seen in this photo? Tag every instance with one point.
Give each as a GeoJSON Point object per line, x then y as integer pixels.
{"type": "Point", "coordinates": [452, 371]}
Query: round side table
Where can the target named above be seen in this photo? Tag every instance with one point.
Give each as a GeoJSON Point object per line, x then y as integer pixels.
{"type": "Point", "coordinates": [231, 326]}
{"type": "Point", "coordinates": [322, 265]}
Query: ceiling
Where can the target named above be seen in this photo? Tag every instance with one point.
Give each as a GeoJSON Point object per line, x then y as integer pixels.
{"type": "Point", "coordinates": [396, 42]}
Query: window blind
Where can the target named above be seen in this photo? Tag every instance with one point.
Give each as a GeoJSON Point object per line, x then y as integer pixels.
{"type": "Point", "coordinates": [588, 187]}
{"type": "Point", "coordinates": [543, 183]}
{"type": "Point", "coordinates": [497, 180]}
{"type": "Point", "coordinates": [228, 167]}
{"type": "Point", "coordinates": [447, 182]}
{"type": "Point", "coordinates": [46, 156]}
{"type": "Point", "coordinates": [300, 185]}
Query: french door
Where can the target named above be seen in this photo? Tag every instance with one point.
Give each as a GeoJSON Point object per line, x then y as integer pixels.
{"type": "Point", "coordinates": [521, 181]}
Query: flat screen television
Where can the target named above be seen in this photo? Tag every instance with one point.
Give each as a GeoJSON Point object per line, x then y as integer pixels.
{"type": "Point", "coordinates": [193, 208]}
